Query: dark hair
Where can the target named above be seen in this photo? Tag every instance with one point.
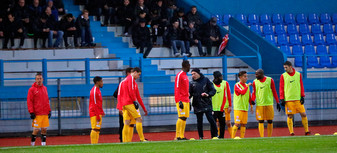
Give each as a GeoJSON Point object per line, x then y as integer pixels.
{"type": "Point", "coordinates": [128, 70]}
{"type": "Point", "coordinates": [38, 73]}
{"type": "Point", "coordinates": [193, 6]}
{"type": "Point", "coordinates": [185, 63]}
{"type": "Point", "coordinates": [137, 69]}
{"type": "Point", "coordinates": [85, 11]}
{"type": "Point", "coordinates": [97, 78]}
{"type": "Point", "coordinates": [288, 63]}
{"type": "Point", "coordinates": [241, 73]}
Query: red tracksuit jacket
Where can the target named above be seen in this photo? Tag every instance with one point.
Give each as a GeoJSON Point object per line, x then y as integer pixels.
{"type": "Point", "coordinates": [38, 100]}
{"type": "Point", "coordinates": [95, 103]}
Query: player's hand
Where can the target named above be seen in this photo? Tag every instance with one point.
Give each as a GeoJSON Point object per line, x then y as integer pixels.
{"type": "Point", "coordinates": [32, 116]}
{"type": "Point", "coordinates": [282, 102]}
{"type": "Point", "coordinates": [251, 109]}
{"type": "Point", "coordinates": [229, 109]}
{"type": "Point", "coordinates": [49, 115]}
{"type": "Point", "coordinates": [145, 113]}
{"type": "Point", "coordinates": [253, 102]}
{"type": "Point", "coordinates": [181, 105]}
{"type": "Point", "coordinates": [278, 106]}
{"type": "Point", "coordinates": [204, 95]}
{"type": "Point", "coordinates": [136, 104]}
{"type": "Point", "coordinates": [98, 118]}
{"type": "Point", "coordinates": [249, 84]}
{"type": "Point", "coordinates": [302, 100]}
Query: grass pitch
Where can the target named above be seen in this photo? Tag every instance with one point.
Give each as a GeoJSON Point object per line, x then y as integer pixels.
{"type": "Point", "coordinates": [275, 144]}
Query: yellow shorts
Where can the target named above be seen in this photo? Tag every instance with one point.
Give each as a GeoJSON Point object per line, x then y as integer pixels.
{"type": "Point", "coordinates": [264, 112]}
{"type": "Point", "coordinates": [240, 117]}
{"type": "Point", "coordinates": [227, 115]}
{"type": "Point", "coordinates": [294, 107]}
{"type": "Point", "coordinates": [40, 121]}
{"type": "Point", "coordinates": [128, 117]}
{"type": "Point", "coordinates": [183, 112]}
{"type": "Point", "coordinates": [130, 111]}
{"type": "Point", "coordinates": [94, 124]}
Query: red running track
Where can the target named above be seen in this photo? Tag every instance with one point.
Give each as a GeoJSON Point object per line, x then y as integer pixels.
{"type": "Point", "coordinates": [158, 136]}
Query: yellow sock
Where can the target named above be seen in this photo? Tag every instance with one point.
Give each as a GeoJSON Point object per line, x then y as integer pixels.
{"type": "Point", "coordinates": [139, 128]}
{"type": "Point", "coordinates": [130, 133]}
{"type": "Point", "coordinates": [270, 129]}
{"type": "Point", "coordinates": [178, 127]}
{"type": "Point", "coordinates": [230, 130]}
{"type": "Point", "coordinates": [182, 129]}
{"type": "Point", "coordinates": [125, 133]}
{"type": "Point", "coordinates": [93, 137]}
{"type": "Point", "coordinates": [218, 131]}
{"type": "Point", "coordinates": [235, 128]}
{"type": "Point", "coordinates": [261, 129]}
{"type": "Point", "coordinates": [290, 125]}
{"type": "Point", "coordinates": [305, 124]}
{"type": "Point", "coordinates": [97, 136]}
{"type": "Point", "coordinates": [242, 132]}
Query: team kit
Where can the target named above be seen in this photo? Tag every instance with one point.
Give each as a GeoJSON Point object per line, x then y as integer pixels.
{"type": "Point", "coordinates": [212, 98]}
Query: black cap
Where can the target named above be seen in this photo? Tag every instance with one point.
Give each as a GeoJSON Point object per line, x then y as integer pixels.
{"type": "Point", "coordinates": [196, 70]}
{"type": "Point", "coordinates": [217, 74]}
{"type": "Point", "coordinates": [214, 19]}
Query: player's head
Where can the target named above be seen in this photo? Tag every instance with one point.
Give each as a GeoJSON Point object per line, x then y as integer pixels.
{"type": "Point", "coordinates": [39, 79]}
{"type": "Point", "coordinates": [128, 71]}
{"type": "Point", "coordinates": [98, 81]}
{"type": "Point", "coordinates": [217, 76]}
{"type": "Point", "coordinates": [243, 76]}
{"type": "Point", "coordinates": [288, 67]}
{"type": "Point", "coordinates": [259, 74]}
{"type": "Point", "coordinates": [186, 65]}
{"type": "Point", "coordinates": [195, 73]}
{"type": "Point", "coordinates": [136, 72]}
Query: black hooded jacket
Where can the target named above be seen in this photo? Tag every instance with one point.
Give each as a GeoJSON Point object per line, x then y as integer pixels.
{"type": "Point", "coordinates": [197, 87]}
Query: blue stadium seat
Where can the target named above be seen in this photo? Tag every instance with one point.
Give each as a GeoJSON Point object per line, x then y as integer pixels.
{"type": "Point", "coordinates": [289, 19]}
{"type": "Point", "coordinates": [282, 39]}
{"type": "Point", "coordinates": [306, 39]}
{"type": "Point", "coordinates": [331, 39]}
{"type": "Point", "coordinates": [327, 28]}
{"type": "Point", "coordinates": [225, 19]}
{"type": "Point", "coordinates": [297, 50]}
{"type": "Point", "coordinates": [277, 19]}
{"type": "Point", "coordinates": [313, 18]}
{"type": "Point", "coordinates": [325, 18]}
{"type": "Point", "coordinates": [267, 29]}
{"type": "Point", "coordinates": [286, 49]}
{"type": "Point", "coordinates": [309, 50]}
{"type": "Point", "coordinates": [333, 49]}
{"type": "Point", "coordinates": [323, 60]}
{"type": "Point", "coordinates": [265, 19]}
{"type": "Point", "coordinates": [253, 19]}
{"type": "Point", "coordinates": [292, 29]}
{"type": "Point", "coordinates": [256, 28]}
{"type": "Point", "coordinates": [294, 39]}
{"type": "Point", "coordinates": [301, 18]}
{"type": "Point", "coordinates": [242, 18]}
{"type": "Point", "coordinates": [298, 61]}
{"type": "Point", "coordinates": [318, 39]}
{"type": "Point", "coordinates": [304, 29]}
{"type": "Point", "coordinates": [321, 50]}
{"type": "Point", "coordinates": [316, 29]}
{"type": "Point", "coordinates": [334, 18]}
{"type": "Point", "coordinates": [270, 38]}
{"type": "Point", "coordinates": [313, 62]}
{"type": "Point", "coordinates": [279, 29]}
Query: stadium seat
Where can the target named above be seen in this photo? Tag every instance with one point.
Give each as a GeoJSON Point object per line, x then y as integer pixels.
{"type": "Point", "coordinates": [313, 62]}
{"type": "Point", "coordinates": [316, 29]}
{"type": "Point", "coordinates": [318, 39]}
{"type": "Point", "coordinates": [325, 18]}
{"type": "Point", "coordinates": [282, 39]}
{"type": "Point", "coordinates": [267, 29]}
{"type": "Point", "coordinates": [334, 18]}
{"type": "Point", "coordinates": [242, 18]}
{"type": "Point", "coordinates": [313, 18]}
{"type": "Point", "coordinates": [321, 50]}
{"type": "Point", "coordinates": [286, 49]}
{"type": "Point", "coordinates": [225, 19]}
{"type": "Point", "coordinates": [270, 38]}
{"type": "Point", "coordinates": [301, 18]}
{"type": "Point", "coordinates": [331, 39]}
{"type": "Point", "coordinates": [279, 29]}
{"type": "Point", "coordinates": [289, 19]}
{"type": "Point", "coordinates": [253, 19]}
{"type": "Point", "coordinates": [304, 29]}
{"type": "Point", "coordinates": [333, 49]}
{"type": "Point", "coordinates": [297, 50]}
{"type": "Point", "coordinates": [334, 61]}
{"type": "Point", "coordinates": [309, 50]}
{"type": "Point", "coordinates": [327, 28]}
{"type": "Point", "coordinates": [306, 39]}
{"type": "Point", "coordinates": [299, 61]}
{"type": "Point", "coordinates": [265, 19]}
{"type": "Point", "coordinates": [323, 60]}
{"type": "Point", "coordinates": [277, 19]}
{"type": "Point", "coordinates": [294, 39]}
{"type": "Point", "coordinates": [292, 29]}
{"type": "Point", "coordinates": [256, 28]}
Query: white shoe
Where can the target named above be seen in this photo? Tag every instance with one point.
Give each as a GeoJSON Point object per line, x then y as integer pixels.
{"type": "Point", "coordinates": [177, 54]}
{"type": "Point", "coordinates": [43, 143]}
{"type": "Point", "coordinates": [32, 143]}
{"type": "Point", "coordinates": [126, 34]}
{"type": "Point", "coordinates": [185, 54]}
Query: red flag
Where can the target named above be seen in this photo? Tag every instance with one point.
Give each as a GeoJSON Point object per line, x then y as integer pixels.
{"type": "Point", "coordinates": [223, 44]}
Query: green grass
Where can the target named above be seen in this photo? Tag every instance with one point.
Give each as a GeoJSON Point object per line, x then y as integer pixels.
{"type": "Point", "coordinates": [306, 144]}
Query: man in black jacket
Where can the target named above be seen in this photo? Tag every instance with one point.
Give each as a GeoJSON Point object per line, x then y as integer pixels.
{"type": "Point", "coordinates": [13, 28]}
{"type": "Point", "coordinates": [68, 26]}
{"type": "Point", "coordinates": [142, 38]}
{"type": "Point", "coordinates": [175, 37]}
{"type": "Point", "coordinates": [40, 30]}
{"type": "Point", "coordinates": [53, 26]}
{"type": "Point", "coordinates": [212, 36]}
{"type": "Point", "coordinates": [83, 24]}
{"type": "Point", "coordinates": [202, 90]}
{"type": "Point", "coordinates": [125, 16]}
{"type": "Point", "coordinates": [192, 37]}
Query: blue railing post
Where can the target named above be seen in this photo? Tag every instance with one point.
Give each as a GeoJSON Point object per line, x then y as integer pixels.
{"type": "Point", "coordinates": [87, 71]}
{"type": "Point", "coordinates": [224, 67]}
{"type": "Point", "coordinates": [141, 65]}
{"type": "Point", "coordinates": [44, 71]}
{"type": "Point", "coordinates": [304, 66]}
{"type": "Point", "coordinates": [1, 73]}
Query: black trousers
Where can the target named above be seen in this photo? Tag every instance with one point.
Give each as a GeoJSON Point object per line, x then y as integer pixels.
{"type": "Point", "coordinates": [41, 35]}
{"type": "Point", "coordinates": [148, 46]}
{"type": "Point", "coordinates": [214, 130]}
{"type": "Point", "coordinates": [11, 35]}
{"type": "Point", "coordinates": [121, 125]}
{"type": "Point", "coordinates": [222, 121]}
{"type": "Point", "coordinates": [68, 34]}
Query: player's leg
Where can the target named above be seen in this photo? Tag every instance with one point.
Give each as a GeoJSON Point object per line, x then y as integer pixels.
{"type": "Point", "coordinates": [260, 118]}
{"type": "Point", "coordinates": [95, 129]}
{"type": "Point", "coordinates": [139, 128]}
{"type": "Point", "coordinates": [290, 124]}
{"type": "Point", "coordinates": [237, 122]}
{"type": "Point", "coordinates": [221, 119]}
{"type": "Point", "coordinates": [261, 128]}
{"type": "Point", "coordinates": [131, 129]}
{"type": "Point", "coordinates": [184, 117]}
{"type": "Point", "coordinates": [43, 136]}
{"type": "Point", "coordinates": [210, 118]}
{"type": "Point", "coordinates": [242, 130]}
{"type": "Point", "coordinates": [244, 120]}
{"type": "Point", "coordinates": [228, 122]}
{"type": "Point", "coordinates": [199, 124]}
{"type": "Point", "coordinates": [269, 116]}
{"type": "Point", "coordinates": [121, 125]}
{"type": "Point", "coordinates": [270, 127]}
{"type": "Point", "coordinates": [34, 134]}
{"type": "Point", "coordinates": [305, 123]}
{"type": "Point", "coordinates": [179, 122]}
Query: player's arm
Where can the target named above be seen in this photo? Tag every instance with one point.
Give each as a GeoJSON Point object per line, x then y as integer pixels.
{"type": "Point", "coordinates": [254, 92]}
{"type": "Point", "coordinates": [116, 92]}
{"type": "Point", "coordinates": [302, 87]}
{"type": "Point", "coordinates": [239, 91]}
{"type": "Point", "coordinates": [223, 101]}
{"type": "Point", "coordinates": [98, 118]}
{"type": "Point", "coordinates": [30, 98]}
{"type": "Point", "coordinates": [139, 99]}
{"type": "Point", "coordinates": [229, 95]}
{"type": "Point", "coordinates": [272, 86]}
{"type": "Point", "coordinates": [251, 104]}
{"type": "Point", "coordinates": [281, 90]}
